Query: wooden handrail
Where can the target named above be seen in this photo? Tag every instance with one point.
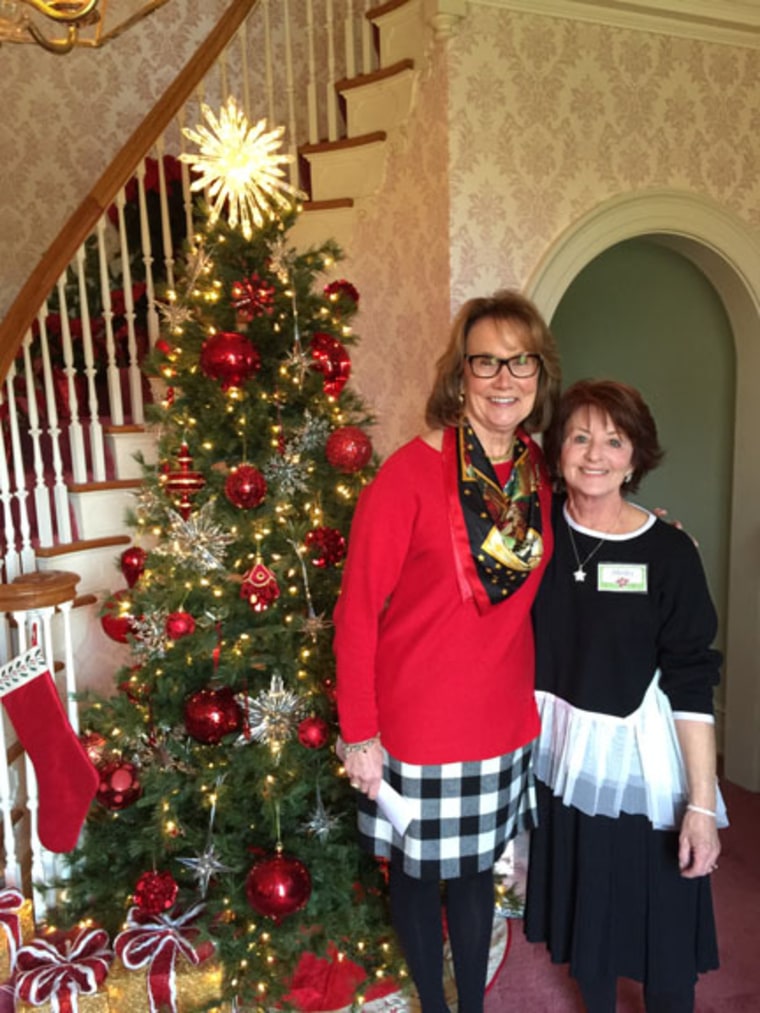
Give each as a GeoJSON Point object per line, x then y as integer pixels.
{"type": "Point", "coordinates": [61, 251]}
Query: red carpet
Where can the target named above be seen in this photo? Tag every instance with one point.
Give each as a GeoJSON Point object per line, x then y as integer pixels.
{"type": "Point", "coordinates": [529, 983]}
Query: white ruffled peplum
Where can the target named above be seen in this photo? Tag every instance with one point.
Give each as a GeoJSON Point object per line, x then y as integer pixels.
{"type": "Point", "coordinates": [604, 765]}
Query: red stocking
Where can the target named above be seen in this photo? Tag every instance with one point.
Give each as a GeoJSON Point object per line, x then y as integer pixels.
{"type": "Point", "coordinates": [66, 778]}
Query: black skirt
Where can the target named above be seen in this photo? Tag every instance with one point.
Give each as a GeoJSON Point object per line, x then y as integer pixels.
{"type": "Point", "coordinates": [606, 897]}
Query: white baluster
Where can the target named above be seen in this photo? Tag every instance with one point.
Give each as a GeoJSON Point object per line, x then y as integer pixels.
{"type": "Point", "coordinates": [350, 40]}
{"type": "Point", "coordinates": [331, 96]}
{"type": "Point", "coordinates": [72, 707]}
{"type": "Point", "coordinates": [147, 253]}
{"type": "Point", "coordinates": [166, 228]}
{"type": "Point", "coordinates": [268, 63]}
{"type": "Point", "coordinates": [60, 492]}
{"type": "Point", "coordinates": [133, 365]}
{"type": "Point", "coordinates": [19, 493]}
{"type": "Point", "coordinates": [75, 433]}
{"type": "Point", "coordinates": [311, 86]}
{"type": "Point", "coordinates": [11, 871]}
{"type": "Point", "coordinates": [11, 561]}
{"type": "Point", "coordinates": [43, 517]}
{"type": "Point", "coordinates": [242, 39]}
{"type": "Point", "coordinates": [368, 49]}
{"type": "Point", "coordinates": [290, 92]}
{"type": "Point", "coordinates": [187, 195]}
{"type": "Point", "coordinates": [115, 405]}
{"type": "Point", "coordinates": [97, 447]}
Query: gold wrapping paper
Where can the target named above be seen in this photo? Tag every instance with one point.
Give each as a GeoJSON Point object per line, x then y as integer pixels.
{"type": "Point", "coordinates": [26, 915]}
{"type": "Point", "coordinates": [196, 987]}
{"type": "Point", "coordinates": [96, 1003]}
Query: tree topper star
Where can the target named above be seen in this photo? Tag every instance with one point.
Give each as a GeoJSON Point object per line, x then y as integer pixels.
{"type": "Point", "coordinates": [240, 166]}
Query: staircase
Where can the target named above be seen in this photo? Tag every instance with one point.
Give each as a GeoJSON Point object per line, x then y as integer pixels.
{"type": "Point", "coordinates": [64, 508]}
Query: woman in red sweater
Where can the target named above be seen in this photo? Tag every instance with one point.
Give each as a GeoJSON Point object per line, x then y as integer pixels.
{"type": "Point", "coordinates": [434, 642]}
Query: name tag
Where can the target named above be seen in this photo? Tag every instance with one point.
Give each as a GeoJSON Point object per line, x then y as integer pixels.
{"type": "Point", "coordinates": [622, 577]}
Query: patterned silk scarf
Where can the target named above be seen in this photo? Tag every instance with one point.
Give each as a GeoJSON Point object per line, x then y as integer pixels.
{"type": "Point", "coordinates": [496, 531]}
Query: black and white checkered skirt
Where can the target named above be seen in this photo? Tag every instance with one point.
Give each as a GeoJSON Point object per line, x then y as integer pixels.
{"type": "Point", "coordinates": [466, 814]}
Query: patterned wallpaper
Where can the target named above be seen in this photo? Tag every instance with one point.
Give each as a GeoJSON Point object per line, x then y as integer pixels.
{"type": "Point", "coordinates": [63, 118]}
{"type": "Point", "coordinates": [551, 117]}
{"type": "Point", "coordinates": [399, 262]}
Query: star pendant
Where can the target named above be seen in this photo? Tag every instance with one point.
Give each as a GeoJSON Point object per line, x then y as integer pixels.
{"type": "Point", "coordinates": [580, 575]}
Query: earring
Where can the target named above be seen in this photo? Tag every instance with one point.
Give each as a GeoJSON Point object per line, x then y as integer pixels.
{"type": "Point", "coordinates": [628, 478]}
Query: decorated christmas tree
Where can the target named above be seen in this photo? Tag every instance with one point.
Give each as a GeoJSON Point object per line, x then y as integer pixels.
{"type": "Point", "coordinates": [222, 804]}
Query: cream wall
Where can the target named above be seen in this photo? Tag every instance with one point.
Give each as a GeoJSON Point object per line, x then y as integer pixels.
{"type": "Point", "coordinates": [63, 118]}
{"type": "Point", "coordinates": [550, 117]}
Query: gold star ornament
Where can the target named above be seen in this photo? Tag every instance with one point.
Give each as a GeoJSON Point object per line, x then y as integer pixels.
{"type": "Point", "coordinates": [240, 167]}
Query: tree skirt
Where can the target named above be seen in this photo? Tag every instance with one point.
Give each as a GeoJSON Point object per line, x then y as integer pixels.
{"type": "Point", "coordinates": [322, 985]}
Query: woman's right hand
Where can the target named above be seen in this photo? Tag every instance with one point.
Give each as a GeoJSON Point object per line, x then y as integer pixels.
{"type": "Point", "coordinates": [364, 768]}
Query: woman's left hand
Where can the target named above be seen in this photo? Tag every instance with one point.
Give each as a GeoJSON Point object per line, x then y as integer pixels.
{"type": "Point", "coordinates": [698, 845]}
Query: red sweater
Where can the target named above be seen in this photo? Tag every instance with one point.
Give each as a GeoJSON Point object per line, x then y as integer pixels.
{"type": "Point", "coordinates": [440, 681]}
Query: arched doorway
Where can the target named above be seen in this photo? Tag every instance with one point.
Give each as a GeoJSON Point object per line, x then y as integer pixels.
{"type": "Point", "coordinates": [728, 254]}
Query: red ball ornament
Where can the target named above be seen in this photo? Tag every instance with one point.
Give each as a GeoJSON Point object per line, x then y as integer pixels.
{"type": "Point", "coordinates": [342, 291]}
{"type": "Point", "coordinates": [348, 449]}
{"type": "Point", "coordinates": [133, 563]}
{"type": "Point", "coordinates": [327, 546]}
{"type": "Point", "coordinates": [245, 487]}
{"type": "Point", "coordinates": [230, 358]}
{"type": "Point", "coordinates": [330, 358]}
{"type": "Point", "coordinates": [278, 886]}
{"type": "Point", "coordinates": [260, 588]}
{"type": "Point", "coordinates": [179, 624]}
{"type": "Point", "coordinates": [210, 714]}
{"type": "Point", "coordinates": [155, 892]}
{"type": "Point", "coordinates": [117, 621]}
{"type": "Point", "coordinates": [119, 784]}
{"type": "Point", "coordinates": [313, 732]}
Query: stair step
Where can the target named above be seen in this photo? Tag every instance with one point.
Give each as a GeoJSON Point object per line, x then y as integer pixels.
{"type": "Point", "coordinates": [401, 30]}
{"type": "Point", "coordinates": [100, 508]}
{"type": "Point", "coordinates": [94, 559]}
{"type": "Point", "coordinates": [124, 442]}
{"type": "Point", "coordinates": [378, 101]}
{"type": "Point", "coordinates": [323, 220]}
{"type": "Point", "coordinates": [354, 165]}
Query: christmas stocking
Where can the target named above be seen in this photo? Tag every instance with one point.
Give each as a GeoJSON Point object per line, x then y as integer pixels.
{"type": "Point", "coordinates": [66, 778]}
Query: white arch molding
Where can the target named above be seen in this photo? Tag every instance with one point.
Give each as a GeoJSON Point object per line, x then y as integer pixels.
{"type": "Point", "coordinates": [728, 253]}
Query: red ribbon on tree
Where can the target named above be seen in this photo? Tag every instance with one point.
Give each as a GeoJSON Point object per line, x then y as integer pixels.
{"type": "Point", "coordinates": [11, 902]}
{"type": "Point", "coordinates": [58, 971]}
{"type": "Point", "coordinates": [154, 942]}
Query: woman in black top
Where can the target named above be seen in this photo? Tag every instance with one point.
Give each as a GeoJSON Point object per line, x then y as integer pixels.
{"type": "Point", "coordinates": [618, 882]}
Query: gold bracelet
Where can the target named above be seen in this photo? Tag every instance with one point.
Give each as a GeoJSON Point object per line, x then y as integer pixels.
{"type": "Point", "coordinates": [360, 747]}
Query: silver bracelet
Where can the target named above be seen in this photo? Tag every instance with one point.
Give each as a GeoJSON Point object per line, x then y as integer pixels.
{"type": "Point", "coordinates": [360, 747]}
{"type": "Point", "coordinates": [700, 809]}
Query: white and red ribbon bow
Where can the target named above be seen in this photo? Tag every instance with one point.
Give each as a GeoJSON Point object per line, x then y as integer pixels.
{"type": "Point", "coordinates": [57, 972]}
{"type": "Point", "coordinates": [155, 941]}
{"type": "Point", "coordinates": [11, 902]}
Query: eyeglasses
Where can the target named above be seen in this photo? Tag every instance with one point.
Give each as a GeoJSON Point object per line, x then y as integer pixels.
{"type": "Point", "coordinates": [522, 366]}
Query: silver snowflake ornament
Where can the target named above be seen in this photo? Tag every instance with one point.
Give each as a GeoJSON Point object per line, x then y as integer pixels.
{"type": "Point", "coordinates": [198, 542]}
{"type": "Point", "coordinates": [272, 716]}
{"type": "Point", "coordinates": [204, 867]}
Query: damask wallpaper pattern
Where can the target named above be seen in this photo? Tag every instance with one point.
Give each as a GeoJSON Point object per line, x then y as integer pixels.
{"type": "Point", "coordinates": [63, 119]}
{"type": "Point", "coordinates": [550, 117]}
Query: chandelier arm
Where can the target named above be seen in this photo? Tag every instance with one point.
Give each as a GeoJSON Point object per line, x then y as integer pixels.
{"type": "Point", "coordinates": [53, 11]}
{"type": "Point", "coordinates": [54, 45]}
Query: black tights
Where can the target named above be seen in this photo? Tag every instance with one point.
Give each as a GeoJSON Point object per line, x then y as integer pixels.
{"type": "Point", "coordinates": [416, 909]}
{"type": "Point", "coordinates": [599, 997]}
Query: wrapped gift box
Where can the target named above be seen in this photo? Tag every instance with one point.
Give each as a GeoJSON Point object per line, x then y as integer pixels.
{"type": "Point", "coordinates": [194, 987]}
{"type": "Point", "coordinates": [64, 972]}
{"type": "Point", "coordinates": [161, 964]}
{"type": "Point", "coordinates": [17, 921]}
